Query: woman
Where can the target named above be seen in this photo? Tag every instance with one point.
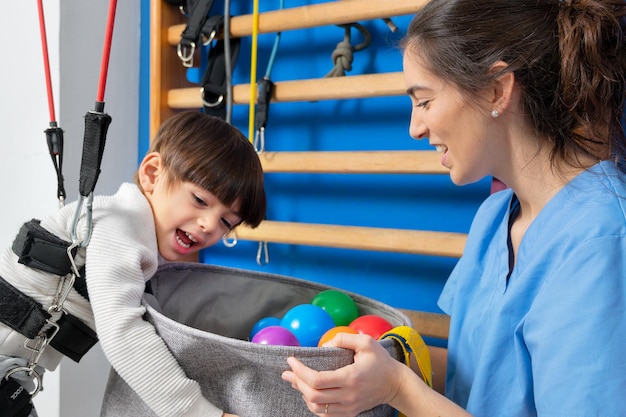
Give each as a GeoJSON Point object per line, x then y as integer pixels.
{"type": "Point", "coordinates": [530, 92]}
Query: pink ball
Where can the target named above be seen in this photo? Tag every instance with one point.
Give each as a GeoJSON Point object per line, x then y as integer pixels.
{"type": "Point", "coordinates": [275, 335]}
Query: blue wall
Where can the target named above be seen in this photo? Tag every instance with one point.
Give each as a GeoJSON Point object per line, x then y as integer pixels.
{"type": "Point", "coordinates": [425, 202]}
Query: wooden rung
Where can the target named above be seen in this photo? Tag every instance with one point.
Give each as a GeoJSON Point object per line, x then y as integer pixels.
{"type": "Point", "coordinates": [335, 88]}
{"type": "Point", "coordinates": [329, 13]}
{"type": "Point", "coordinates": [355, 237]}
{"type": "Point", "coordinates": [429, 324]}
{"type": "Point", "coordinates": [380, 162]}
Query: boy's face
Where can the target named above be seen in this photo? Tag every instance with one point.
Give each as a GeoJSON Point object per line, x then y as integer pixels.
{"type": "Point", "coordinates": [187, 217]}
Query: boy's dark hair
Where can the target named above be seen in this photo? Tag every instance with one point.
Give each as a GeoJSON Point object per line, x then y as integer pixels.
{"type": "Point", "coordinates": [216, 156]}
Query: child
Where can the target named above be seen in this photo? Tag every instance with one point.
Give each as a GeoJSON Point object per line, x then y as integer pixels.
{"type": "Point", "coordinates": [200, 179]}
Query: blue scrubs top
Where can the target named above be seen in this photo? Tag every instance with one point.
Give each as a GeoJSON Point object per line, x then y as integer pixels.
{"type": "Point", "coordinates": [551, 339]}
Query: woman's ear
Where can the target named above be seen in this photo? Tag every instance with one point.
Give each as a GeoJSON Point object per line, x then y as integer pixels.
{"type": "Point", "coordinates": [503, 87]}
{"type": "Point", "coordinates": [149, 171]}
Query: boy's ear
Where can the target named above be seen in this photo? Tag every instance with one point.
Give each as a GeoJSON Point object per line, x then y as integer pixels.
{"type": "Point", "coordinates": [149, 171]}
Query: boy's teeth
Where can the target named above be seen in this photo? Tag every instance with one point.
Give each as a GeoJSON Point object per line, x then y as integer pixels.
{"type": "Point", "coordinates": [441, 148]}
{"type": "Point", "coordinates": [185, 244]}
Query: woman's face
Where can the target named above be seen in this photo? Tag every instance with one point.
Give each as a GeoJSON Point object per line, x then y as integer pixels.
{"type": "Point", "coordinates": [459, 130]}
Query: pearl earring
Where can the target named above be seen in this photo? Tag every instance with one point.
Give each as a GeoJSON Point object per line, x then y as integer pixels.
{"type": "Point", "coordinates": [495, 113]}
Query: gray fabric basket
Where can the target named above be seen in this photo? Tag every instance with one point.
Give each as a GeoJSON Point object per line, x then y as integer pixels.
{"type": "Point", "coordinates": [205, 314]}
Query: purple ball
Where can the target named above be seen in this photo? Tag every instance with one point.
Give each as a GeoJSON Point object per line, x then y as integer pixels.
{"type": "Point", "coordinates": [262, 324]}
{"type": "Point", "coordinates": [275, 335]}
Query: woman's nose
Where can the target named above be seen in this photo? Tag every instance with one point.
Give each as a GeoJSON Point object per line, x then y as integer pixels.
{"type": "Point", "coordinates": [417, 128]}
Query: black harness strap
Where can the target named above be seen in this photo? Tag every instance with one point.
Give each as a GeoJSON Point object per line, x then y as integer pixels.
{"type": "Point", "coordinates": [20, 312]}
{"type": "Point", "coordinates": [214, 80]}
{"type": "Point", "coordinates": [37, 248]}
{"type": "Point", "coordinates": [96, 126]}
{"type": "Point", "coordinates": [74, 338]}
{"type": "Point", "coordinates": [14, 399]}
{"type": "Point", "coordinates": [198, 11]}
{"type": "Point", "coordinates": [212, 27]}
{"type": "Point", "coordinates": [26, 316]}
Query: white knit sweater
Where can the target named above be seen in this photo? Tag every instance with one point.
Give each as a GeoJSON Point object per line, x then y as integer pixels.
{"type": "Point", "coordinates": [120, 257]}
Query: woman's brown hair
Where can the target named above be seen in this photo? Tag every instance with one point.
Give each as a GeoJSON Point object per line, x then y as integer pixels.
{"type": "Point", "coordinates": [568, 57]}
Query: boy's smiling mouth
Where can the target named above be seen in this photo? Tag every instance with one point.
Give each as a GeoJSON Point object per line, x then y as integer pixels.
{"type": "Point", "coordinates": [184, 239]}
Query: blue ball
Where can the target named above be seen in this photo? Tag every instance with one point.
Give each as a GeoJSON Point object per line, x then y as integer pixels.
{"type": "Point", "coordinates": [262, 324]}
{"type": "Point", "coordinates": [308, 323]}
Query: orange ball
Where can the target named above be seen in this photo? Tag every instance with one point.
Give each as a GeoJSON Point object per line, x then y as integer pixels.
{"type": "Point", "coordinates": [333, 332]}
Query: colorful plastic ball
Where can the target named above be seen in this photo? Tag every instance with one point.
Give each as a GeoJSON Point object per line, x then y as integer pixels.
{"type": "Point", "coordinates": [308, 323]}
{"type": "Point", "coordinates": [338, 304]}
{"type": "Point", "coordinates": [263, 323]}
{"type": "Point", "coordinates": [372, 325]}
{"type": "Point", "coordinates": [275, 335]}
{"type": "Point", "coordinates": [329, 335]}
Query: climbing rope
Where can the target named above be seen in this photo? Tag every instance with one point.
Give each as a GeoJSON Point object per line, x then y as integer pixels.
{"type": "Point", "coordinates": [342, 56]}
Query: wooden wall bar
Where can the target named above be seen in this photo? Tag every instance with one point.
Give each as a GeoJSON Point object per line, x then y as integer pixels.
{"type": "Point", "coordinates": [334, 88]}
{"type": "Point", "coordinates": [354, 237]}
{"type": "Point", "coordinates": [331, 13]}
{"type": "Point", "coordinates": [353, 162]}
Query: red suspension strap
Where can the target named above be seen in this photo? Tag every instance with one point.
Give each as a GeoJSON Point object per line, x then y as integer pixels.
{"type": "Point", "coordinates": [106, 52]}
{"type": "Point", "coordinates": [46, 60]}
{"type": "Point", "coordinates": [96, 126]}
{"type": "Point", "coordinates": [54, 134]}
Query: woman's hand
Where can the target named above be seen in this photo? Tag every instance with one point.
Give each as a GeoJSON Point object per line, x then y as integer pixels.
{"type": "Point", "coordinates": [374, 378]}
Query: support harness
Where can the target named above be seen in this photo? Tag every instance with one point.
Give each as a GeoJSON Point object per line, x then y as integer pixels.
{"type": "Point", "coordinates": [39, 249]}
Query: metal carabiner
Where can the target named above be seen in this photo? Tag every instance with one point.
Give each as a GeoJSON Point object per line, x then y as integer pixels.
{"type": "Point", "coordinates": [41, 342]}
{"type": "Point", "coordinates": [230, 239]}
{"type": "Point", "coordinates": [63, 290]}
{"type": "Point", "coordinates": [262, 251]}
{"type": "Point", "coordinates": [207, 41]}
{"type": "Point", "coordinates": [207, 104]}
{"type": "Point", "coordinates": [259, 140]}
{"type": "Point", "coordinates": [88, 220]}
{"type": "Point", "coordinates": [186, 54]}
{"type": "Point", "coordinates": [29, 372]}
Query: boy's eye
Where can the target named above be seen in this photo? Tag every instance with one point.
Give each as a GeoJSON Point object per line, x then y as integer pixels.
{"type": "Point", "coordinates": [424, 103]}
{"type": "Point", "coordinates": [199, 200]}
{"type": "Point", "coordinates": [228, 224]}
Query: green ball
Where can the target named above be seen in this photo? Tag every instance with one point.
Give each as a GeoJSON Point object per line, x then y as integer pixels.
{"type": "Point", "coordinates": [338, 304]}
